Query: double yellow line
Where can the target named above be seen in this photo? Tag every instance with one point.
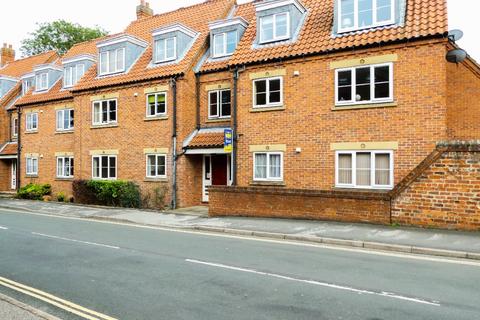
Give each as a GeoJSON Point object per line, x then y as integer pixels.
{"type": "Point", "coordinates": [55, 301]}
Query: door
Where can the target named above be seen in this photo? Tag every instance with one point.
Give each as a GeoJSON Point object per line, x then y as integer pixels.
{"type": "Point", "coordinates": [219, 172]}
{"type": "Point", "coordinates": [207, 176]}
{"type": "Point", "coordinates": [14, 175]}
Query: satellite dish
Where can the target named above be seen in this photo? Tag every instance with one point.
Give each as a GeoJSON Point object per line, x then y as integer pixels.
{"type": "Point", "coordinates": [455, 35]}
{"type": "Point", "coordinates": [456, 56]}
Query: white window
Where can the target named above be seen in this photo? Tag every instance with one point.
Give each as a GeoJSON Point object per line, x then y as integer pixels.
{"type": "Point", "coordinates": [65, 167]}
{"type": "Point", "coordinates": [219, 104]}
{"type": "Point", "coordinates": [268, 92]}
{"type": "Point", "coordinates": [157, 104]}
{"type": "Point", "coordinates": [112, 61]}
{"type": "Point", "coordinates": [72, 74]}
{"type": "Point", "coordinates": [364, 169]}
{"type": "Point", "coordinates": [268, 166]}
{"type": "Point", "coordinates": [365, 84]}
{"type": "Point", "coordinates": [275, 27]}
{"type": "Point", "coordinates": [32, 166]}
{"type": "Point", "coordinates": [32, 121]}
{"type": "Point", "coordinates": [362, 14]}
{"type": "Point", "coordinates": [224, 44]}
{"type": "Point", "coordinates": [105, 112]}
{"type": "Point", "coordinates": [41, 81]}
{"type": "Point", "coordinates": [26, 86]}
{"type": "Point", "coordinates": [165, 49]}
{"type": "Point", "coordinates": [104, 167]}
{"type": "Point", "coordinates": [65, 119]}
{"type": "Point", "coordinates": [156, 166]}
{"type": "Point", "coordinates": [15, 127]}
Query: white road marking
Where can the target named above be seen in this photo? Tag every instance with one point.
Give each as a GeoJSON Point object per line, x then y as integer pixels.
{"type": "Point", "coordinates": [77, 241]}
{"type": "Point", "coordinates": [318, 283]}
{"type": "Point", "coordinates": [3, 228]}
{"type": "Point", "coordinates": [256, 239]}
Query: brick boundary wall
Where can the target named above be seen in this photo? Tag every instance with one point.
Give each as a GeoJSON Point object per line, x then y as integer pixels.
{"type": "Point", "coordinates": [443, 191]}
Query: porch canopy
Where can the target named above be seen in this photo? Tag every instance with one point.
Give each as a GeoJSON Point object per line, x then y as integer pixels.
{"type": "Point", "coordinates": [9, 151]}
{"type": "Point", "coordinates": [205, 141]}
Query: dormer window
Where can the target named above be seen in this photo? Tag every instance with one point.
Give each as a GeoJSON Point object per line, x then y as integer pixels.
{"type": "Point", "coordinates": [165, 49]}
{"type": "Point", "coordinates": [275, 27]}
{"type": "Point", "coordinates": [72, 74]}
{"type": "Point", "coordinates": [112, 61]}
{"type": "Point", "coordinates": [224, 44]}
{"type": "Point", "coordinates": [362, 14]}
{"type": "Point", "coordinates": [26, 86]}
{"type": "Point", "coordinates": [41, 81]}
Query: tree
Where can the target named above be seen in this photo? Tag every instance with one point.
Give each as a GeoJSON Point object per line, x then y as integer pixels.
{"type": "Point", "coordinates": [58, 35]}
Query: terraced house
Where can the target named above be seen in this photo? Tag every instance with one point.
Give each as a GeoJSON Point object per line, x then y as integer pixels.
{"type": "Point", "coordinates": [340, 109]}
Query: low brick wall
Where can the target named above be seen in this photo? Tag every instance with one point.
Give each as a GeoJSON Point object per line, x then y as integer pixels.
{"type": "Point", "coordinates": [343, 206]}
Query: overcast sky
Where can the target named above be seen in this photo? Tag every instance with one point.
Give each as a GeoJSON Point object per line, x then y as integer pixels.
{"type": "Point", "coordinates": [18, 17]}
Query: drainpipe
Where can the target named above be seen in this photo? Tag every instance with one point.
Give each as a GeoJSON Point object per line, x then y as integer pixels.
{"type": "Point", "coordinates": [197, 91]}
{"type": "Point", "coordinates": [10, 136]}
{"type": "Point", "coordinates": [19, 147]}
{"type": "Point", "coordinates": [235, 135]}
{"type": "Point", "coordinates": [174, 138]}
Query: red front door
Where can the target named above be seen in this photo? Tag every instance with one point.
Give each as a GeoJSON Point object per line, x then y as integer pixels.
{"type": "Point", "coordinates": [219, 170]}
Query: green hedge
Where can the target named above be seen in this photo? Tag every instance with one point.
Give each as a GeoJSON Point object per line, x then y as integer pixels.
{"type": "Point", "coordinates": [110, 193]}
{"type": "Point", "coordinates": [34, 191]}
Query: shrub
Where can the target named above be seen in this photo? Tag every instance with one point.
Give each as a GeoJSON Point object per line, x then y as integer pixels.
{"type": "Point", "coordinates": [61, 197]}
{"type": "Point", "coordinates": [111, 193]}
{"type": "Point", "coordinates": [34, 191]}
{"type": "Point", "coordinates": [156, 198]}
{"type": "Point", "coordinates": [83, 194]}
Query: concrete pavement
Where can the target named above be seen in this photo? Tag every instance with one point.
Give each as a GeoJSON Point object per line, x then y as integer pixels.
{"type": "Point", "coordinates": [12, 309]}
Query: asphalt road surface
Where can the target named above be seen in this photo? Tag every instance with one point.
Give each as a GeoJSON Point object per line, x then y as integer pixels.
{"type": "Point", "coordinates": [127, 272]}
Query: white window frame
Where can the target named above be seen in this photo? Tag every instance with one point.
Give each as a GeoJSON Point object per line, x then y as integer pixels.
{"type": "Point", "coordinates": [26, 85]}
{"type": "Point", "coordinates": [62, 113]}
{"type": "Point", "coordinates": [69, 80]}
{"type": "Point", "coordinates": [269, 104]}
{"type": "Point", "coordinates": [372, 85]}
{"type": "Point", "coordinates": [30, 123]}
{"type": "Point", "coordinates": [156, 155]}
{"type": "Point", "coordinates": [100, 167]}
{"type": "Point", "coordinates": [39, 81]}
{"type": "Point", "coordinates": [268, 178]}
{"type": "Point", "coordinates": [275, 37]}
{"type": "Point", "coordinates": [61, 170]}
{"type": "Point", "coordinates": [105, 59]}
{"type": "Point", "coordinates": [166, 58]}
{"type": "Point", "coordinates": [15, 127]}
{"type": "Point", "coordinates": [354, 185]}
{"type": "Point", "coordinates": [31, 164]}
{"type": "Point", "coordinates": [219, 107]}
{"type": "Point", "coordinates": [108, 122]}
{"type": "Point", "coordinates": [225, 45]}
{"type": "Point", "coordinates": [375, 24]}
{"type": "Point", "coordinates": [156, 101]}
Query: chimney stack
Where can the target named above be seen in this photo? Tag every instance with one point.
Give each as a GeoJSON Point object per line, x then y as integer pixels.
{"type": "Point", "coordinates": [144, 10]}
{"type": "Point", "coordinates": [7, 54]}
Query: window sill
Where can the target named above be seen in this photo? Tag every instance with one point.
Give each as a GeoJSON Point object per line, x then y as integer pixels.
{"type": "Point", "coordinates": [268, 183]}
{"type": "Point", "coordinates": [64, 132]}
{"type": "Point", "coordinates": [31, 132]}
{"type": "Point", "coordinates": [157, 118]}
{"type": "Point", "coordinates": [218, 120]}
{"type": "Point", "coordinates": [364, 106]}
{"type": "Point", "coordinates": [267, 109]}
{"type": "Point", "coordinates": [103, 126]}
{"type": "Point", "coordinates": [64, 179]}
{"type": "Point", "coordinates": [155, 180]}
{"type": "Point", "coordinates": [363, 189]}
{"type": "Point", "coordinates": [31, 176]}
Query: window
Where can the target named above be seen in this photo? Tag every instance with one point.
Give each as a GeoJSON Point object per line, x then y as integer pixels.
{"type": "Point", "coordinates": [219, 104]}
{"type": "Point", "coordinates": [32, 166]}
{"type": "Point", "coordinates": [362, 14]}
{"type": "Point", "coordinates": [268, 92]}
{"type": "Point", "coordinates": [364, 169]}
{"type": "Point", "coordinates": [224, 44]}
{"type": "Point", "coordinates": [104, 167]}
{"type": "Point", "coordinates": [156, 166]}
{"type": "Point", "coordinates": [165, 49]}
{"type": "Point", "coordinates": [268, 166]}
{"type": "Point", "coordinates": [32, 121]}
{"type": "Point", "coordinates": [41, 81]}
{"type": "Point", "coordinates": [65, 119]}
{"type": "Point", "coordinates": [360, 85]}
{"type": "Point", "coordinates": [27, 85]}
{"type": "Point", "coordinates": [65, 167]}
{"type": "Point", "coordinates": [157, 104]}
{"type": "Point", "coordinates": [72, 74]}
{"type": "Point", "coordinates": [15, 127]}
{"type": "Point", "coordinates": [105, 112]}
{"type": "Point", "coordinates": [275, 27]}
{"type": "Point", "coordinates": [112, 61]}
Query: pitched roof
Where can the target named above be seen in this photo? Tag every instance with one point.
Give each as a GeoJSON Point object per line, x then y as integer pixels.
{"type": "Point", "coordinates": [9, 149]}
{"type": "Point", "coordinates": [11, 94]}
{"type": "Point", "coordinates": [21, 67]}
{"type": "Point", "coordinates": [423, 18]}
{"type": "Point", "coordinates": [195, 17]}
{"type": "Point", "coordinates": [207, 140]}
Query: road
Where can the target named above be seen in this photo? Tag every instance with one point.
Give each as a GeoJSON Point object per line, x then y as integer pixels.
{"type": "Point", "coordinates": [129, 272]}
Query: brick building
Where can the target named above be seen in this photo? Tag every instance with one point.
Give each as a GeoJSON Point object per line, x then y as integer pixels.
{"type": "Point", "coordinates": [333, 105]}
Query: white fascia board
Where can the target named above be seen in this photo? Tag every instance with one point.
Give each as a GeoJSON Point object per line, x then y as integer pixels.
{"type": "Point", "coordinates": [43, 67]}
{"type": "Point", "coordinates": [173, 28]}
{"type": "Point", "coordinates": [7, 78]}
{"type": "Point", "coordinates": [229, 22]}
{"type": "Point", "coordinates": [206, 151]}
{"type": "Point", "coordinates": [261, 6]}
{"type": "Point", "coordinates": [120, 39]}
{"type": "Point", "coordinates": [28, 76]}
{"type": "Point", "coordinates": [78, 58]}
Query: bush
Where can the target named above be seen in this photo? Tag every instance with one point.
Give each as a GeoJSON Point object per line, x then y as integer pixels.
{"type": "Point", "coordinates": [111, 193]}
{"type": "Point", "coordinates": [34, 191]}
{"type": "Point", "coordinates": [61, 197]}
